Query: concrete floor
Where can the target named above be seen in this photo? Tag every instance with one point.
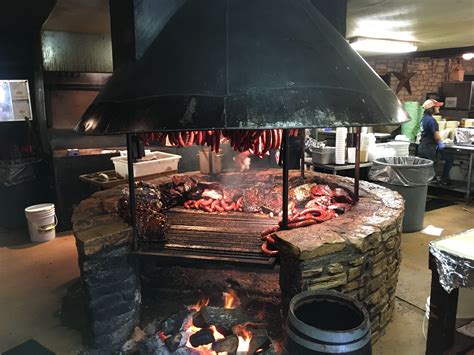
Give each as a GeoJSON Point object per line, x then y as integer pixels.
{"type": "Point", "coordinates": [34, 278]}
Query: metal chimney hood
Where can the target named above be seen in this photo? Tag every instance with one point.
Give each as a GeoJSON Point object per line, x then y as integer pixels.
{"type": "Point", "coordinates": [243, 64]}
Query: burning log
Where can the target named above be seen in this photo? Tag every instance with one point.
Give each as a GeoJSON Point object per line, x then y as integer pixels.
{"type": "Point", "coordinates": [202, 337]}
{"type": "Point", "coordinates": [228, 344]}
{"type": "Point", "coordinates": [223, 319]}
{"type": "Point", "coordinates": [202, 319]}
{"type": "Point", "coordinates": [173, 324]}
{"type": "Point", "coordinates": [173, 342]}
{"type": "Point", "coordinates": [259, 343]}
{"type": "Point", "coordinates": [212, 291]}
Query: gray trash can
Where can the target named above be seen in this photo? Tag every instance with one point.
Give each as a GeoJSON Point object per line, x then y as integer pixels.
{"type": "Point", "coordinates": [410, 177]}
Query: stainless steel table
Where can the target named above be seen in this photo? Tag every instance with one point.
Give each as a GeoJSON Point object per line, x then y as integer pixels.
{"type": "Point", "coordinates": [334, 168]}
{"type": "Point", "coordinates": [465, 149]}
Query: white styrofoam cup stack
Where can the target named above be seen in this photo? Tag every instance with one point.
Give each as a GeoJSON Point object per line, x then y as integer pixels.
{"type": "Point", "coordinates": [341, 135]}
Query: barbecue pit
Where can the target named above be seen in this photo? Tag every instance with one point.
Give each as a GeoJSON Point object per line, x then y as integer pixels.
{"type": "Point", "coordinates": [357, 253]}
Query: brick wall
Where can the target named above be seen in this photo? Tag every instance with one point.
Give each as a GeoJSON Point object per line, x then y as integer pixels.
{"type": "Point", "coordinates": [431, 73]}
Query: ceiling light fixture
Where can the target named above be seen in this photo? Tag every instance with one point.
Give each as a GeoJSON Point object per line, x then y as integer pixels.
{"type": "Point", "coordinates": [380, 45]}
{"type": "Point", "coordinates": [468, 56]}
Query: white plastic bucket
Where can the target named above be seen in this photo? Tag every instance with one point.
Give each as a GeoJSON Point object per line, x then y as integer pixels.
{"type": "Point", "coordinates": [42, 222]}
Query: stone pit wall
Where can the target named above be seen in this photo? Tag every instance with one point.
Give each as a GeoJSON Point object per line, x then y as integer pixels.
{"type": "Point", "coordinates": [359, 255]}
{"type": "Point", "coordinates": [369, 276]}
{"type": "Point", "coordinates": [109, 274]}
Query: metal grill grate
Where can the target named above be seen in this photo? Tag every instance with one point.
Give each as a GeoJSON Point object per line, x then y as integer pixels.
{"type": "Point", "coordinates": [230, 238]}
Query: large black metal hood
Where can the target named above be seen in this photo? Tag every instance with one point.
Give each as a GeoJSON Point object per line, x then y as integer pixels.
{"type": "Point", "coordinates": [243, 64]}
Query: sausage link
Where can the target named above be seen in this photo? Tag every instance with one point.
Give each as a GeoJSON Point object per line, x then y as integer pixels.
{"type": "Point", "coordinates": [206, 201]}
{"type": "Point", "coordinates": [270, 239]}
{"type": "Point", "coordinates": [304, 223]}
{"type": "Point", "coordinates": [267, 251]}
{"type": "Point", "coordinates": [217, 141]}
{"type": "Point", "coordinates": [216, 205]}
{"type": "Point", "coordinates": [298, 219]}
{"type": "Point", "coordinates": [232, 207]}
{"type": "Point", "coordinates": [206, 208]}
{"type": "Point", "coordinates": [269, 230]}
{"type": "Point", "coordinates": [311, 210]}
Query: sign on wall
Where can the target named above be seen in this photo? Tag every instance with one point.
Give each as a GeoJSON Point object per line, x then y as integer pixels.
{"type": "Point", "coordinates": [15, 103]}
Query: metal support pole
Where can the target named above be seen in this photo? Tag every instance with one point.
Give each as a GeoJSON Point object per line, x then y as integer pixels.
{"type": "Point", "coordinates": [469, 178]}
{"type": "Point", "coordinates": [285, 153]}
{"type": "Point", "coordinates": [357, 165]}
{"type": "Point", "coordinates": [302, 152]}
{"type": "Point", "coordinates": [211, 165]}
{"type": "Point", "coordinates": [131, 189]}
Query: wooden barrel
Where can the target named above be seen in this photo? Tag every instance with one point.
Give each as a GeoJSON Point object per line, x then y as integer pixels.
{"type": "Point", "coordinates": [327, 322]}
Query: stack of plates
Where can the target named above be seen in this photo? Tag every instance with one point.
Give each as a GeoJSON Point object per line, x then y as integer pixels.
{"type": "Point", "coordinates": [401, 148]}
{"type": "Point", "coordinates": [341, 135]}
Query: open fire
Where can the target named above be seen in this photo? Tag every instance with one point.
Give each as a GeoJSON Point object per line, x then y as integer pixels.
{"type": "Point", "coordinates": [230, 299]}
{"type": "Point", "coordinates": [209, 329]}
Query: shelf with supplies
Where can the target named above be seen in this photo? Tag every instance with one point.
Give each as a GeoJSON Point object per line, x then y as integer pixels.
{"type": "Point", "coordinates": [460, 186]}
{"type": "Point", "coordinates": [334, 168]}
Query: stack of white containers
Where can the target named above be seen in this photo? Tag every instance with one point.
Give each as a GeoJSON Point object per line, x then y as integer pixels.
{"type": "Point", "coordinates": [401, 148]}
{"type": "Point", "coordinates": [468, 122]}
{"type": "Point", "coordinates": [341, 135]}
{"type": "Point", "coordinates": [367, 141]}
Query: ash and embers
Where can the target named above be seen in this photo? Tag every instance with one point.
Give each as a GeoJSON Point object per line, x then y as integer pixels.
{"type": "Point", "coordinates": [214, 325]}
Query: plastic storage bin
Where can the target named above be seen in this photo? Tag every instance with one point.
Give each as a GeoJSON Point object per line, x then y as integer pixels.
{"type": "Point", "coordinates": [123, 153]}
{"type": "Point", "coordinates": [154, 163]}
{"type": "Point", "coordinates": [324, 155]}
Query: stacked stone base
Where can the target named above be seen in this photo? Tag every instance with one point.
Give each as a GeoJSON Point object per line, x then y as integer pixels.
{"type": "Point", "coordinates": [108, 272]}
{"type": "Point", "coordinates": [356, 254]}
{"type": "Point", "coordinates": [370, 277]}
{"type": "Point", "coordinates": [112, 294]}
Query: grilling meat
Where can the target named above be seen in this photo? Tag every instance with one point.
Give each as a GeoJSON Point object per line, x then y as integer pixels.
{"type": "Point", "coordinates": [178, 190]}
{"type": "Point", "coordinates": [319, 201]}
{"type": "Point", "coordinates": [253, 197]}
{"type": "Point", "coordinates": [146, 193]}
{"type": "Point", "coordinates": [213, 194]}
{"type": "Point", "coordinates": [341, 195]}
{"type": "Point", "coordinates": [151, 223]}
{"type": "Point", "coordinates": [321, 190]}
{"type": "Point", "coordinates": [301, 194]}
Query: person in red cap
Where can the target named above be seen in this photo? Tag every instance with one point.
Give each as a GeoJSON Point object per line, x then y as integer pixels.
{"type": "Point", "coordinates": [431, 145]}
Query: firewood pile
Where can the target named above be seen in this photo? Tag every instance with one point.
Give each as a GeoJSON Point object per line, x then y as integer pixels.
{"type": "Point", "coordinates": [213, 325]}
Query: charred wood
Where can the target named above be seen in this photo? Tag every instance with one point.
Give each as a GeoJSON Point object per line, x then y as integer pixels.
{"type": "Point", "coordinates": [173, 324]}
{"type": "Point", "coordinates": [259, 342]}
{"type": "Point", "coordinates": [223, 319]}
{"type": "Point", "coordinates": [202, 337]}
{"type": "Point", "coordinates": [228, 344]}
{"type": "Point", "coordinates": [202, 319]}
{"type": "Point", "coordinates": [173, 342]}
{"type": "Point", "coordinates": [212, 291]}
